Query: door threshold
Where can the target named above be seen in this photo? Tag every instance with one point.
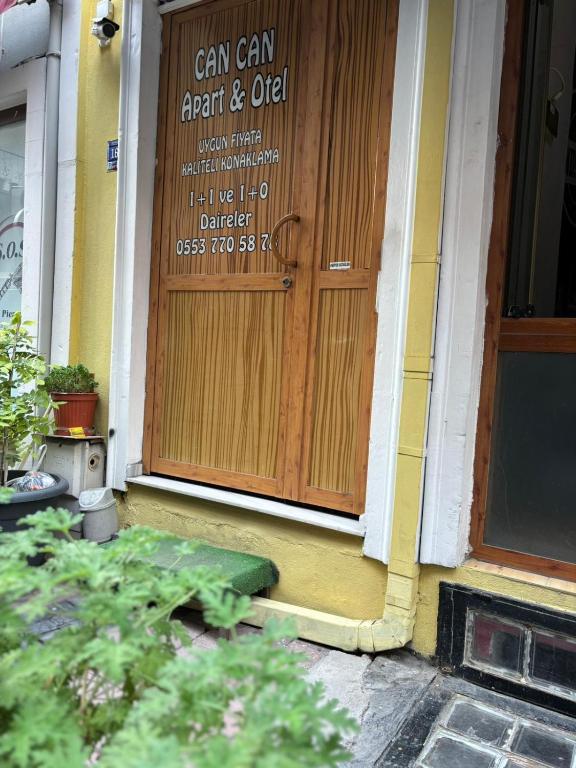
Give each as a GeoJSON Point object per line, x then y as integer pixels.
{"type": "Point", "coordinates": [252, 504]}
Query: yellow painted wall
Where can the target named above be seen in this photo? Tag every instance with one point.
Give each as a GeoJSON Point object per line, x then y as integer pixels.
{"type": "Point", "coordinates": [319, 569]}
{"type": "Point", "coordinates": [551, 593]}
{"type": "Point", "coordinates": [92, 285]}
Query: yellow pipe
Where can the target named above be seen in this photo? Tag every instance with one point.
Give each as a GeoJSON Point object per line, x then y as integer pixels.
{"type": "Point", "coordinates": [393, 630]}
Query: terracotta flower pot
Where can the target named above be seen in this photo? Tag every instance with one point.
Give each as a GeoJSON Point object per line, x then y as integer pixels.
{"type": "Point", "coordinates": [76, 410]}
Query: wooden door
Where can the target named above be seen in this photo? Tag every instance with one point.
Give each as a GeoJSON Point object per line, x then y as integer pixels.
{"type": "Point", "coordinates": [260, 357]}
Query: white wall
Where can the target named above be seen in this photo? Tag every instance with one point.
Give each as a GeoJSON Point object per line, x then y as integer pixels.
{"type": "Point", "coordinates": [67, 170]}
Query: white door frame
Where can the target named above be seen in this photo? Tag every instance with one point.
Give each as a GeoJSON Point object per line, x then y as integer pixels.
{"type": "Point", "coordinates": [472, 143]}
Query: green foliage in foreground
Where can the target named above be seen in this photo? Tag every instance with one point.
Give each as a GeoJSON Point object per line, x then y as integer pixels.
{"type": "Point", "coordinates": [5, 494]}
{"type": "Point", "coordinates": [122, 687]}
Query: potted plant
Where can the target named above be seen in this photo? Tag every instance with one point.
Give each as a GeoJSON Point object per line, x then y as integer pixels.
{"type": "Point", "coordinates": [72, 388]}
{"type": "Point", "coordinates": [25, 417]}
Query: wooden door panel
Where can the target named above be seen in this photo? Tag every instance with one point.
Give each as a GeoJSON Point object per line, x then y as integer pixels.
{"type": "Point", "coordinates": [357, 105]}
{"type": "Point", "coordinates": [222, 398]}
{"type": "Point", "coordinates": [217, 410]}
{"type": "Point", "coordinates": [355, 130]}
{"type": "Point", "coordinates": [336, 399]}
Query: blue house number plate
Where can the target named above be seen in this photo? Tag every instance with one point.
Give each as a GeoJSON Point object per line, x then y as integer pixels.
{"type": "Point", "coordinates": [112, 155]}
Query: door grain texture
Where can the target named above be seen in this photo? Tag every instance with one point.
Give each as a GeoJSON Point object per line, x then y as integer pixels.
{"type": "Point", "coordinates": [260, 375]}
{"type": "Point", "coordinates": [224, 349]}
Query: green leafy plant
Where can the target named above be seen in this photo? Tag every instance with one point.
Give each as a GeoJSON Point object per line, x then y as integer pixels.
{"type": "Point", "coordinates": [5, 495]}
{"type": "Point", "coordinates": [122, 685]}
{"type": "Point", "coordinates": [70, 379]}
{"type": "Point", "coordinates": [25, 406]}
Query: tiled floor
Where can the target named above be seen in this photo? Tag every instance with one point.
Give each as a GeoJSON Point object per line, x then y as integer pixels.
{"type": "Point", "coordinates": [472, 734]}
{"type": "Point", "coordinates": [457, 724]}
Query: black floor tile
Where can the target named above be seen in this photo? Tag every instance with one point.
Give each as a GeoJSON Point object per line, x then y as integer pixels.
{"type": "Point", "coordinates": [479, 724]}
{"type": "Point", "coordinates": [447, 752]}
{"type": "Point", "coordinates": [539, 744]}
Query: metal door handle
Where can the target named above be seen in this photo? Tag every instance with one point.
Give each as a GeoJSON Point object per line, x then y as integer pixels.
{"type": "Point", "coordinates": [274, 238]}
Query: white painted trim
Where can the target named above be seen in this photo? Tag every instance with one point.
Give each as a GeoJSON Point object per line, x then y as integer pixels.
{"type": "Point", "coordinates": [252, 504]}
{"type": "Point", "coordinates": [141, 45]}
{"type": "Point", "coordinates": [67, 171]}
{"type": "Point", "coordinates": [394, 278]}
{"type": "Point", "coordinates": [27, 84]}
{"type": "Point", "coordinates": [137, 151]}
{"type": "Point", "coordinates": [461, 306]}
{"type": "Point", "coordinates": [176, 5]}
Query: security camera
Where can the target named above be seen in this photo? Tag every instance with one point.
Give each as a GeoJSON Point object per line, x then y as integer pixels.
{"type": "Point", "coordinates": [104, 29]}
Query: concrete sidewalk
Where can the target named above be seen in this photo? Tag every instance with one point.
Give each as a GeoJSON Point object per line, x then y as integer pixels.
{"type": "Point", "coordinates": [413, 716]}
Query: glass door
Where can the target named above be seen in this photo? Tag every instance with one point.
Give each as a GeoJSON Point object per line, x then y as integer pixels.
{"type": "Point", "coordinates": [12, 138]}
{"type": "Point", "coordinates": [525, 493]}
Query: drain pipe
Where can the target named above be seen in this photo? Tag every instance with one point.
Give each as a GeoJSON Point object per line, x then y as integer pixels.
{"type": "Point", "coordinates": [393, 630]}
{"type": "Point", "coordinates": [50, 178]}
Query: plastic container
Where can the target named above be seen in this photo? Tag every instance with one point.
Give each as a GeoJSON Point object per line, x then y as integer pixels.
{"type": "Point", "coordinates": [28, 502]}
{"type": "Point", "coordinates": [98, 506]}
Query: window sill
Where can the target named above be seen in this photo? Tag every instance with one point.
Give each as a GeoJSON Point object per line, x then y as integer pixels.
{"type": "Point", "coordinates": [252, 504]}
{"type": "Point", "coordinates": [525, 577]}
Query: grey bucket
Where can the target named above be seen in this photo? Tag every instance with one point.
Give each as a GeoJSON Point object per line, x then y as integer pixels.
{"type": "Point", "coordinates": [98, 506]}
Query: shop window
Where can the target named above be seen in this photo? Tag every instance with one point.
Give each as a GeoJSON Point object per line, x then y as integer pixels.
{"type": "Point", "coordinates": [12, 142]}
{"type": "Point", "coordinates": [532, 482]}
